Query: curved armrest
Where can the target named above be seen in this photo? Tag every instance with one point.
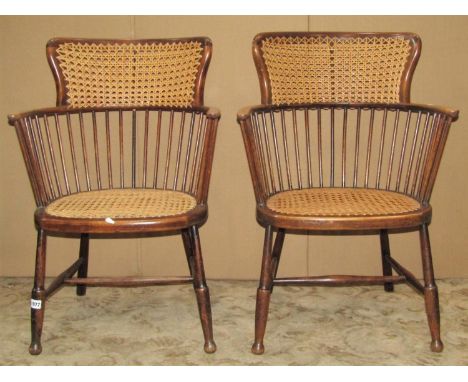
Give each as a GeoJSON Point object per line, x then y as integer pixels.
{"type": "Point", "coordinates": [245, 112]}
{"type": "Point", "coordinates": [210, 112]}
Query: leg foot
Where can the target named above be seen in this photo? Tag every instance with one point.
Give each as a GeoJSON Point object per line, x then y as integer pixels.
{"type": "Point", "coordinates": [201, 289]}
{"type": "Point", "coordinates": [204, 309]}
{"type": "Point", "coordinates": [261, 316]}
{"type": "Point", "coordinates": [210, 347]}
{"type": "Point", "coordinates": [35, 349]}
{"type": "Point", "coordinates": [437, 346]}
{"type": "Point", "coordinates": [431, 296]}
{"type": "Point", "coordinates": [258, 348]}
{"type": "Point", "coordinates": [264, 292]}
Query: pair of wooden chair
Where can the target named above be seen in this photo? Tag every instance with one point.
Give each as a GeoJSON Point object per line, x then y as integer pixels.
{"type": "Point", "coordinates": [335, 146]}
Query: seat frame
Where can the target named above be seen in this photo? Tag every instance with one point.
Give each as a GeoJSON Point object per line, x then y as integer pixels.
{"type": "Point", "coordinates": [34, 144]}
{"type": "Point", "coordinates": [261, 165]}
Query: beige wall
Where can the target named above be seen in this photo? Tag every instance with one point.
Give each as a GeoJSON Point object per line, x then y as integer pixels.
{"type": "Point", "coordinates": [231, 239]}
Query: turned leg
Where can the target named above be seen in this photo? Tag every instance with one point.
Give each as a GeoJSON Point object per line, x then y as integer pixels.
{"type": "Point", "coordinates": [431, 297]}
{"type": "Point", "coordinates": [263, 293]}
{"type": "Point", "coordinates": [386, 266]}
{"type": "Point", "coordinates": [38, 295]}
{"type": "Point", "coordinates": [83, 269]}
{"type": "Point", "coordinates": [188, 249]}
{"type": "Point", "coordinates": [277, 248]}
{"type": "Point", "coordinates": [202, 292]}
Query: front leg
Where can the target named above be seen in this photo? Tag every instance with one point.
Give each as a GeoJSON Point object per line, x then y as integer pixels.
{"type": "Point", "coordinates": [38, 295]}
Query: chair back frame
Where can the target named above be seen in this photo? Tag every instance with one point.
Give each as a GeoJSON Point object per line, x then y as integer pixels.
{"type": "Point", "coordinates": [406, 76]}
{"type": "Point", "coordinates": [61, 83]}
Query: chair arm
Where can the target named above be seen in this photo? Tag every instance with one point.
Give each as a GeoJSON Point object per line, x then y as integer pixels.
{"type": "Point", "coordinates": [247, 111]}
{"type": "Point", "coordinates": [396, 147]}
{"type": "Point", "coordinates": [211, 113]}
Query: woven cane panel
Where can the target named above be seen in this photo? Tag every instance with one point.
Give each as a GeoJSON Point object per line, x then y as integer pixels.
{"type": "Point", "coordinates": [122, 203]}
{"type": "Point", "coordinates": [341, 202]}
{"type": "Point", "coordinates": [332, 69]}
{"type": "Point", "coordinates": [151, 74]}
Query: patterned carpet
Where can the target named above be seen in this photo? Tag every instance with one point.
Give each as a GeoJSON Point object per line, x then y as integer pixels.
{"type": "Point", "coordinates": [307, 326]}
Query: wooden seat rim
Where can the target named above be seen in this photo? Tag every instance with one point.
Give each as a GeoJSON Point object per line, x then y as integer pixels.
{"type": "Point", "coordinates": [49, 223]}
{"type": "Point", "coordinates": [267, 217]}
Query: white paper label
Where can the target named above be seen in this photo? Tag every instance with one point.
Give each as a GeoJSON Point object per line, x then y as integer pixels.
{"type": "Point", "coordinates": [36, 304]}
{"type": "Point", "coordinates": [109, 220]}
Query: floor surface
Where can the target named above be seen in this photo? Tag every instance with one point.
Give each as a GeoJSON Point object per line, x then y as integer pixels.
{"type": "Point", "coordinates": [306, 326]}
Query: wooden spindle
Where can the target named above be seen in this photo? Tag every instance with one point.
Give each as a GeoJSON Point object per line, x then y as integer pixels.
{"type": "Point", "coordinates": [197, 150]}
{"type": "Point", "coordinates": [188, 151]}
{"type": "Point", "coordinates": [179, 149]}
{"type": "Point", "coordinates": [156, 151]}
{"type": "Point", "coordinates": [413, 149]}
{"type": "Point", "coordinates": [430, 155]}
{"type": "Point", "coordinates": [369, 147]}
{"type": "Point", "coordinates": [35, 163]}
{"type": "Point", "coordinates": [108, 150]}
{"type": "Point", "coordinates": [319, 144]}
{"type": "Point", "coordinates": [428, 145]}
{"type": "Point", "coordinates": [169, 148]}
{"type": "Point", "coordinates": [275, 145]}
{"type": "Point", "coordinates": [22, 134]}
{"type": "Point", "coordinates": [73, 155]}
{"type": "Point", "coordinates": [134, 148]}
{"type": "Point", "coordinates": [259, 145]}
{"type": "Point", "coordinates": [42, 159]}
{"type": "Point", "coordinates": [96, 150]}
{"type": "Point", "coordinates": [443, 130]}
{"type": "Point", "coordinates": [145, 150]}
{"type": "Point", "coordinates": [420, 154]}
{"type": "Point", "coordinates": [343, 148]}
{"type": "Point", "coordinates": [332, 147]}
{"type": "Point", "coordinates": [308, 147]}
{"type": "Point", "coordinates": [356, 148]}
{"type": "Point", "coordinates": [403, 151]}
{"type": "Point", "coordinates": [392, 150]}
{"type": "Point", "coordinates": [296, 149]}
{"type": "Point", "coordinates": [121, 157]}
{"type": "Point", "coordinates": [285, 148]}
{"type": "Point", "coordinates": [62, 158]}
{"type": "Point", "coordinates": [52, 155]}
{"type": "Point", "coordinates": [202, 154]}
{"type": "Point", "coordinates": [266, 137]}
{"type": "Point", "coordinates": [83, 150]}
{"type": "Point", "coordinates": [381, 148]}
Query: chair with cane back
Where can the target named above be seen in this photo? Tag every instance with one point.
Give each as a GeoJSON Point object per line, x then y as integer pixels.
{"type": "Point", "coordinates": [127, 151]}
{"type": "Point", "coordinates": [336, 146]}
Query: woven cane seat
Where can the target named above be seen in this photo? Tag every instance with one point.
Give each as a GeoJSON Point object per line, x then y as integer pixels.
{"type": "Point", "coordinates": [341, 202]}
{"type": "Point", "coordinates": [122, 204]}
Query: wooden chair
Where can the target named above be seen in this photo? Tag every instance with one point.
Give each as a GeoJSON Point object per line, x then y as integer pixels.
{"type": "Point", "coordinates": [127, 151]}
{"type": "Point", "coordinates": [337, 147]}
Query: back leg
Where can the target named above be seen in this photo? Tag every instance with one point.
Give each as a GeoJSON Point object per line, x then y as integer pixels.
{"type": "Point", "coordinates": [83, 269]}
{"type": "Point", "coordinates": [431, 295]}
{"type": "Point", "coordinates": [202, 292]}
{"type": "Point", "coordinates": [38, 296]}
{"type": "Point", "coordinates": [188, 249]}
{"type": "Point", "coordinates": [263, 293]}
{"type": "Point", "coordinates": [385, 251]}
